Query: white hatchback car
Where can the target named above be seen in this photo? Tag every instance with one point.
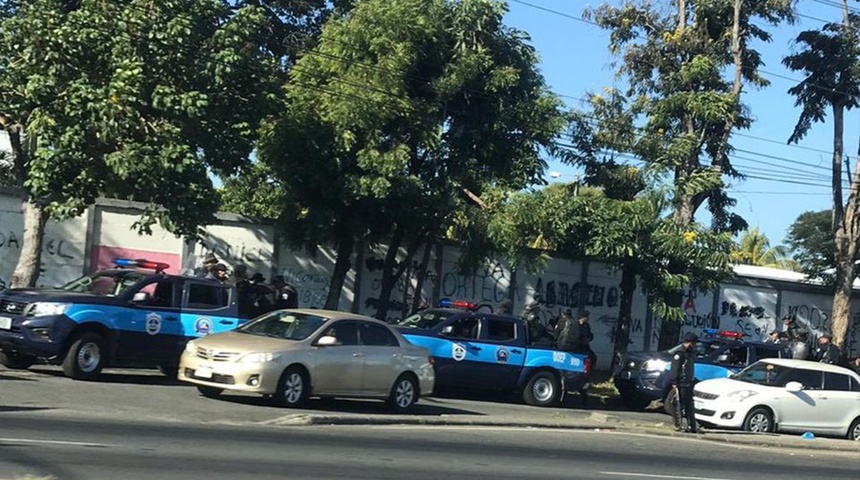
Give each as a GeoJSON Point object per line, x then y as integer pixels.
{"type": "Point", "coordinates": [782, 395]}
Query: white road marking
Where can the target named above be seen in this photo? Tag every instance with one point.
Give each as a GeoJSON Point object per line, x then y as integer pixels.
{"type": "Point", "coordinates": [650, 475]}
{"type": "Point", "coordinates": [54, 442]}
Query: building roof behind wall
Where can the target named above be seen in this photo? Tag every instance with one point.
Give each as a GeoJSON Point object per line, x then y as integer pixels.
{"type": "Point", "coordinates": [768, 273]}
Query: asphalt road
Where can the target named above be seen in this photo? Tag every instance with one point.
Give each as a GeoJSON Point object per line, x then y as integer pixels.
{"type": "Point", "coordinates": [94, 450]}
{"type": "Point", "coordinates": [146, 394]}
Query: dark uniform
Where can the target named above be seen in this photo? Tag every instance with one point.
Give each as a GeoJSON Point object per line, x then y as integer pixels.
{"type": "Point", "coordinates": [827, 352]}
{"type": "Point", "coordinates": [286, 295]}
{"type": "Point", "coordinates": [683, 378]}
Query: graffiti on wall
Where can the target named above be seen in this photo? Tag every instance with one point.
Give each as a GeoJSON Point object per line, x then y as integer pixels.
{"type": "Point", "coordinates": [404, 292]}
{"type": "Point", "coordinates": [811, 316]}
{"type": "Point", "coordinates": [489, 285]}
{"type": "Point", "coordinates": [750, 311]}
{"type": "Point", "coordinates": [698, 309]}
{"type": "Point", "coordinates": [312, 286]}
{"type": "Point", "coordinates": [62, 259]}
{"type": "Point", "coordinates": [51, 247]}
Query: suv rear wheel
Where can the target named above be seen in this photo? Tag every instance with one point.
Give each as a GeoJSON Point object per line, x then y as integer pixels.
{"type": "Point", "coordinates": [543, 390]}
{"type": "Point", "coordinates": [86, 357]}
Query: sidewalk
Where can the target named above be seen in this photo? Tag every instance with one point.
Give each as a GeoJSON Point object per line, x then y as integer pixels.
{"type": "Point", "coordinates": [572, 419]}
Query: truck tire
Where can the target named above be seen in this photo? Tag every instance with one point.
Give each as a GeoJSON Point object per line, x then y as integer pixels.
{"type": "Point", "coordinates": [543, 390]}
{"type": "Point", "coordinates": [670, 403]}
{"type": "Point", "coordinates": [14, 361]}
{"type": "Point", "coordinates": [86, 357]}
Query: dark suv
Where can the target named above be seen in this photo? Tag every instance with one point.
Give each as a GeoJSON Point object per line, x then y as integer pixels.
{"type": "Point", "coordinates": [643, 377]}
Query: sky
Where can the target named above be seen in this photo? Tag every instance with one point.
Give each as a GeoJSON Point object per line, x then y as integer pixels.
{"type": "Point", "coordinates": [575, 60]}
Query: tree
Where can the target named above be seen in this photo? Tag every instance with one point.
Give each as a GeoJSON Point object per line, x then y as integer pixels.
{"type": "Point", "coordinates": [830, 60]}
{"type": "Point", "coordinates": [631, 233]}
{"type": "Point", "coordinates": [138, 100]}
{"type": "Point", "coordinates": [402, 117]}
{"type": "Point", "coordinates": [810, 238]}
{"type": "Point", "coordinates": [134, 99]}
{"type": "Point", "coordinates": [754, 249]}
{"type": "Point", "coordinates": [678, 111]}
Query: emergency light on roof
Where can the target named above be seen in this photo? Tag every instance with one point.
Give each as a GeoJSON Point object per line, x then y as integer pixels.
{"type": "Point", "coordinates": [713, 332]}
{"type": "Point", "coordinates": [141, 263]}
{"type": "Point", "coordinates": [462, 304]}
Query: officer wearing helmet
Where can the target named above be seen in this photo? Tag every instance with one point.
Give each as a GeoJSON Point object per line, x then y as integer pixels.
{"type": "Point", "coordinates": [683, 378]}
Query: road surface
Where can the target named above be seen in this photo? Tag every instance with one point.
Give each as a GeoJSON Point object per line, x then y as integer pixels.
{"type": "Point", "coordinates": [102, 449]}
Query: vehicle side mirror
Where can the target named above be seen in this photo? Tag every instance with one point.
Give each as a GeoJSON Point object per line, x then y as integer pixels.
{"type": "Point", "coordinates": [326, 341]}
{"type": "Point", "coordinates": [794, 387]}
{"type": "Point", "coordinates": [447, 330]}
{"type": "Point", "coordinates": [140, 297]}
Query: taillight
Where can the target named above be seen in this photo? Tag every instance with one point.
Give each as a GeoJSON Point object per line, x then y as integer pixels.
{"type": "Point", "coordinates": [587, 364]}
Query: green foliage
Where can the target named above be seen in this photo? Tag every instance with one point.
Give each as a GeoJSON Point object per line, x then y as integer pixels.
{"type": "Point", "coordinates": [678, 110]}
{"type": "Point", "coordinates": [403, 114]}
{"type": "Point", "coordinates": [754, 249]}
{"type": "Point", "coordinates": [811, 240]}
{"type": "Point", "coordinates": [138, 99]}
{"type": "Point", "coordinates": [829, 60]}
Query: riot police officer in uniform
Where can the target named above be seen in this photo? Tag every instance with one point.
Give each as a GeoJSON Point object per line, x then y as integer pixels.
{"type": "Point", "coordinates": [683, 378]}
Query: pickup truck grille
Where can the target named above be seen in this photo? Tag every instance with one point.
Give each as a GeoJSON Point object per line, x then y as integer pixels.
{"type": "Point", "coordinates": [215, 355]}
{"type": "Point", "coordinates": [12, 308]}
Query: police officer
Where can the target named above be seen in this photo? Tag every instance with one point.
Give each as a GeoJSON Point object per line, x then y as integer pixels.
{"type": "Point", "coordinates": [774, 338]}
{"type": "Point", "coordinates": [286, 295]}
{"type": "Point", "coordinates": [683, 375]}
{"type": "Point", "coordinates": [209, 261]}
{"type": "Point", "coordinates": [506, 307]}
{"type": "Point", "coordinates": [218, 272]}
{"type": "Point", "coordinates": [826, 351]}
{"type": "Point", "coordinates": [790, 329]}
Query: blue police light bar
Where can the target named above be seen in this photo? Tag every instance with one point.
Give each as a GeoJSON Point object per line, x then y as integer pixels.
{"type": "Point", "coordinates": [141, 263]}
{"type": "Point", "coordinates": [710, 331]}
{"type": "Point", "coordinates": [448, 303]}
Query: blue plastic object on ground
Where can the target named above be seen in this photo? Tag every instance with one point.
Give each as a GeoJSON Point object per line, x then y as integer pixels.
{"type": "Point", "coordinates": [808, 436]}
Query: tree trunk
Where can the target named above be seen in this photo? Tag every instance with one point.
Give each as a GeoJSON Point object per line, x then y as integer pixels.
{"type": "Point", "coordinates": [422, 275]}
{"type": "Point", "coordinates": [29, 263]}
{"type": "Point", "coordinates": [625, 313]}
{"type": "Point", "coordinates": [341, 269]}
{"type": "Point", "coordinates": [387, 283]}
{"type": "Point", "coordinates": [847, 244]}
{"type": "Point", "coordinates": [836, 171]}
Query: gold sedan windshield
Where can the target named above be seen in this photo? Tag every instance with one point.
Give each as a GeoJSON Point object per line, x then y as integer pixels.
{"type": "Point", "coordinates": [284, 324]}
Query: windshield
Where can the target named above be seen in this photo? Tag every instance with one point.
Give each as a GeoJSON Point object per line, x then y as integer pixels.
{"type": "Point", "coordinates": [285, 325]}
{"type": "Point", "coordinates": [764, 373]}
{"type": "Point", "coordinates": [425, 319]}
{"type": "Point", "coordinates": [109, 283]}
{"type": "Point", "coordinates": [702, 349]}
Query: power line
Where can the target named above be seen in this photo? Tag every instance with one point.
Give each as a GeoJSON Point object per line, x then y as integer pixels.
{"type": "Point", "coordinates": [746, 67]}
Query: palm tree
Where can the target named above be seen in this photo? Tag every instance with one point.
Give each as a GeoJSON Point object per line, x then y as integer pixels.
{"type": "Point", "coordinates": [754, 249]}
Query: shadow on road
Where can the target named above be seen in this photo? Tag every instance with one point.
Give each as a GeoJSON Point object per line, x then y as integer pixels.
{"type": "Point", "coordinates": [13, 409]}
{"type": "Point", "coordinates": [425, 407]}
{"type": "Point", "coordinates": [145, 377]}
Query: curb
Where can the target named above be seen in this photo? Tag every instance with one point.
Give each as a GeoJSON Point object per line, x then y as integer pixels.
{"type": "Point", "coordinates": [721, 437]}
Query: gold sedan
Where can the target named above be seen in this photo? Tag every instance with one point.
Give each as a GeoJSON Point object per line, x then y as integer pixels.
{"type": "Point", "coordinates": [295, 354]}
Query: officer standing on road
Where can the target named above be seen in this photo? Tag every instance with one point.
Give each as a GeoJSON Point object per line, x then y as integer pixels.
{"type": "Point", "coordinates": [683, 377]}
{"type": "Point", "coordinates": [826, 351]}
{"type": "Point", "coordinates": [583, 345]}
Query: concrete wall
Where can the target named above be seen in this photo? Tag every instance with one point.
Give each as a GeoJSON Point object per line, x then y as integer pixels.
{"type": "Point", "coordinates": [106, 231]}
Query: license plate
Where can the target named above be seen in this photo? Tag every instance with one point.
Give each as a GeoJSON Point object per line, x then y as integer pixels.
{"type": "Point", "coordinates": [5, 323]}
{"type": "Point", "coordinates": [698, 405]}
{"type": "Point", "coordinates": [204, 372]}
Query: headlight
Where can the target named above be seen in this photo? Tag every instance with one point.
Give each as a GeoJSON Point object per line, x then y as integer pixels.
{"type": "Point", "coordinates": [741, 395]}
{"type": "Point", "coordinates": [191, 347]}
{"type": "Point", "coordinates": [46, 309]}
{"type": "Point", "coordinates": [655, 365]}
{"type": "Point", "coordinates": [258, 357]}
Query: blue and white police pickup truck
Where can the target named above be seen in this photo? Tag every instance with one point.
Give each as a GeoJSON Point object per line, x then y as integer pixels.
{"type": "Point", "coordinates": [474, 349]}
{"type": "Point", "coordinates": [131, 316]}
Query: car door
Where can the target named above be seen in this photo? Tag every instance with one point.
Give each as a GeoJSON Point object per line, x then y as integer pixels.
{"type": "Point", "coordinates": [459, 357]}
{"type": "Point", "coordinates": [502, 350]}
{"type": "Point", "coordinates": [801, 410]}
{"type": "Point", "coordinates": [208, 307]}
{"type": "Point", "coordinates": [150, 331]}
{"type": "Point", "coordinates": [839, 404]}
{"type": "Point", "coordinates": [382, 358]}
{"type": "Point", "coordinates": [338, 369]}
